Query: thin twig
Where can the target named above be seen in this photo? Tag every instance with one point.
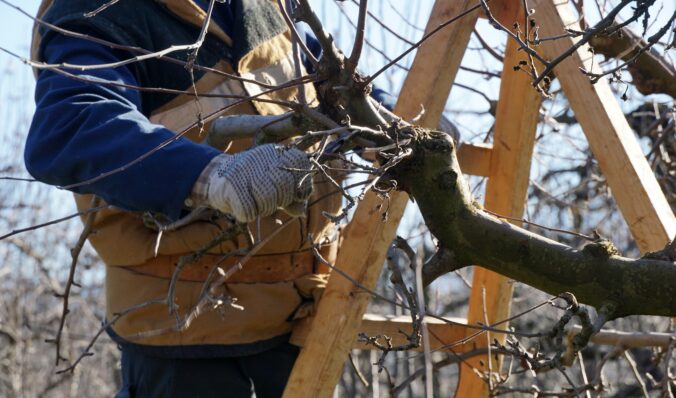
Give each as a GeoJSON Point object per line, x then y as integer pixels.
{"type": "Point", "coordinates": [488, 47]}
{"type": "Point", "coordinates": [479, 327]}
{"type": "Point", "coordinates": [297, 40]}
{"type": "Point", "coordinates": [583, 372]}
{"type": "Point", "coordinates": [452, 359]}
{"type": "Point", "coordinates": [18, 179]}
{"type": "Point", "coordinates": [56, 221]}
{"type": "Point", "coordinates": [488, 340]}
{"type": "Point", "coordinates": [209, 297]}
{"type": "Point", "coordinates": [131, 49]}
{"type": "Point", "coordinates": [652, 40]}
{"type": "Point", "coordinates": [192, 93]}
{"type": "Point", "coordinates": [116, 317]}
{"type": "Point", "coordinates": [228, 234]}
{"type": "Point", "coordinates": [359, 37]}
{"type": "Point", "coordinates": [358, 372]}
{"type": "Point", "coordinates": [331, 55]}
{"type": "Point", "coordinates": [429, 381]}
{"type": "Point", "coordinates": [420, 42]}
{"type": "Point", "coordinates": [637, 375]}
{"type": "Point", "coordinates": [75, 254]}
{"type": "Point", "coordinates": [382, 24]}
{"type": "Point", "coordinates": [100, 9]}
{"type": "Point", "coordinates": [563, 231]}
{"type": "Point", "coordinates": [499, 26]}
{"type": "Point", "coordinates": [588, 34]}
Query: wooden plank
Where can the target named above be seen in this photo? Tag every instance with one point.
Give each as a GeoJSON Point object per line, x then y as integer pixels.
{"type": "Point", "coordinates": [633, 184]}
{"type": "Point", "coordinates": [436, 63]}
{"type": "Point", "coordinates": [475, 158]}
{"type": "Point", "coordinates": [339, 312]}
{"type": "Point", "coordinates": [443, 335]}
{"type": "Point", "coordinates": [515, 126]}
{"type": "Point", "coordinates": [367, 239]}
{"type": "Point", "coordinates": [625, 340]}
{"type": "Point", "coordinates": [446, 336]}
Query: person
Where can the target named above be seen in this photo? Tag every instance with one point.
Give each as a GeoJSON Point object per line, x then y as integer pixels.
{"type": "Point", "coordinates": [130, 134]}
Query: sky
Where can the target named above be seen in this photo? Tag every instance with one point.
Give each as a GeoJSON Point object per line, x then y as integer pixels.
{"type": "Point", "coordinates": [16, 37]}
{"type": "Point", "coordinates": [16, 27]}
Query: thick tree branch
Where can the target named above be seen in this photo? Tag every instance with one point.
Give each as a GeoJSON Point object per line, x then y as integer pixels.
{"type": "Point", "coordinates": [651, 73]}
{"type": "Point", "coordinates": [596, 275]}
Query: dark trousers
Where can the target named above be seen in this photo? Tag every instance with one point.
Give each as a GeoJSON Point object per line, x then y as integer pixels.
{"type": "Point", "coordinates": [146, 376]}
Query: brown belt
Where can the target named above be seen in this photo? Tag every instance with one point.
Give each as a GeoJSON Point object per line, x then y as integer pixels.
{"type": "Point", "coordinates": [258, 269]}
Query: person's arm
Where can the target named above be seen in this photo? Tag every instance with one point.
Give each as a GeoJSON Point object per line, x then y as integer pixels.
{"type": "Point", "coordinates": [81, 130]}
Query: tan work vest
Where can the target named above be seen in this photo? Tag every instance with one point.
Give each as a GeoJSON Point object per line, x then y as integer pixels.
{"type": "Point", "coordinates": [272, 289]}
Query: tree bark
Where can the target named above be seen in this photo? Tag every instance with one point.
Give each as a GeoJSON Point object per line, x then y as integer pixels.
{"type": "Point", "coordinates": [651, 73]}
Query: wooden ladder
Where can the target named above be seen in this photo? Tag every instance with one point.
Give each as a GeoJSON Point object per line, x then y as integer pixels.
{"type": "Point", "coordinates": [328, 337]}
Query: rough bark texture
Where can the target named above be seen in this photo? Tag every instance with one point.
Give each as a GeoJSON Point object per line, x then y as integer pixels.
{"type": "Point", "coordinates": [596, 275]}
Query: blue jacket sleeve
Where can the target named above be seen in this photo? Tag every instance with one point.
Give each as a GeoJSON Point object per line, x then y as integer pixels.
{"type": "Point", "coordinates": [81, 130]}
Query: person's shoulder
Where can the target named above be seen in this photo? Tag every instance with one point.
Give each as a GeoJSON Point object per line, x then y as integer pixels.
{"type": "Point", "coordinates": [99, 12]}
{"type": "Point", "coordinates": [140, 23]}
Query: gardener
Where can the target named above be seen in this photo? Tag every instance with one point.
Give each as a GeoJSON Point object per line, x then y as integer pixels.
{"type": "Point", "coordinates": [110, 132]}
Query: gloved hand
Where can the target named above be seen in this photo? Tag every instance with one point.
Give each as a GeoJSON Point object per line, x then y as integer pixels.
{"type": "Point", "coordinates": [256, 182]}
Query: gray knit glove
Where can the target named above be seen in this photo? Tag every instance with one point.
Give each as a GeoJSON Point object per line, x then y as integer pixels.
{"type": "Point", "coordinates": [257, 182]}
